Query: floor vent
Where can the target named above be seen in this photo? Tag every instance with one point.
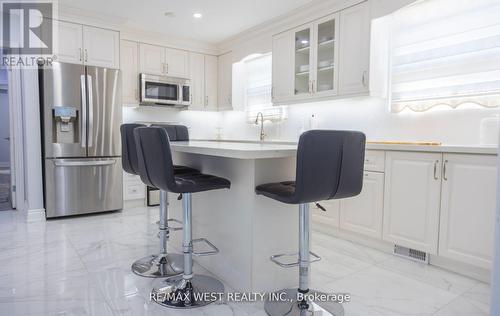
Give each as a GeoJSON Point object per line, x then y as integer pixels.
{"type": "Point", "coordinates": [412, 254]}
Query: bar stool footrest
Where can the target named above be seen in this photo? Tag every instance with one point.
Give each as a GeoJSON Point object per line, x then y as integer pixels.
{"type": "Point", "coordinates": [287, 264]}
{"type": "Point", "coordinates": [214, 250]}
{"type": "Point", "coordinates": [175, 228]}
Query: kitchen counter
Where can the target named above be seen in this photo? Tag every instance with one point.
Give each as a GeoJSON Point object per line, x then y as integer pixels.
{"type": "Point", "coordinates": [276, 149]}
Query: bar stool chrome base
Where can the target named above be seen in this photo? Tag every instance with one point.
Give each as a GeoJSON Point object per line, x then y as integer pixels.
{"type": "Point", "coordinates": [159, 266]}
{"type": "Point", "coordinates": [289, 306]}
{"type": "Point", "coordinates": [177, 292]}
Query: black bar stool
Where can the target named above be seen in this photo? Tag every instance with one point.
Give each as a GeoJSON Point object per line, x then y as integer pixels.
{"type": "Point", "coordinates": [162, 264]}
{"type": "Point", "coordinates": [329, 166]}
{"type": "Point", "coordinates": [155, 161]}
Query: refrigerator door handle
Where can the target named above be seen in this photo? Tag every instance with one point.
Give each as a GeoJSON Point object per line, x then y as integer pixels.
{"type": "Point", "coordinates": [83, 122]}
{"type": "Point", "coordinates": [91, 111]}
{"type": "Point", "coordinates": [85, 163]}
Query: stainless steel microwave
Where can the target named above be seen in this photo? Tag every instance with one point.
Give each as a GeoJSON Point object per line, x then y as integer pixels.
{"type": "Point", "coordinates": [163, 90]}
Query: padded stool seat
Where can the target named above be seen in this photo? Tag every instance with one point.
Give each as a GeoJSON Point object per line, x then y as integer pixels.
{"type": "Point", "coordinates": [192, 183]}
{"type": "Point", "coordinates": [280, 191]}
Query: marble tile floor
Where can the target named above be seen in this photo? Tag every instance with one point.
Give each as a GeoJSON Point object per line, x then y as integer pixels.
{"type": "Point", "coordinates": [81, 266]}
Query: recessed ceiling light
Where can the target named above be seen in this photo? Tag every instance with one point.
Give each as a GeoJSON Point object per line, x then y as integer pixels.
{"type": "Point", "coordinates": [197, 15]}
{"type": "Point", "coordinates": [304, 41]}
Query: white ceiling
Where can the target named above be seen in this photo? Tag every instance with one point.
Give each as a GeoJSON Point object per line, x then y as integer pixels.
{"type": "Point", "coordinates": [221, 18]}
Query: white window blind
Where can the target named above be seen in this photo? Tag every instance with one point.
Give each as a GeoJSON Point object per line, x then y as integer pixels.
{"type": "Point", "coordinates": [258, 90]}
{"type": "Point", "coordinates": [446, 52]}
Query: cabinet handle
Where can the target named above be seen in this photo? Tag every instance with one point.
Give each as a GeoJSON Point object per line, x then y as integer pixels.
{"type": "Point", "coordinates": [86, 55]}
{"type": "Point", "coordinates": [166, 67]}
{"type": "Point", "coordinates": [80, 53]}
{"type": "Point", "coordinates": [445, 177]}
{"type": "Point", "coordinates": [272, 93]}
{"type": "Point", "coordinates": [136, 93]}
{"type": "Point", "coordinates": [363, 79]}
{"type": "Point", "coordinates": [435, 170]}
{"type": "Point", "coordinates": [312, 86]}
{"type": "Point", "coordinates": [206, 100]}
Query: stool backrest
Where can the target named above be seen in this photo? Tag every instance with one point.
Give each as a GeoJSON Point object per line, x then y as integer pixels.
{"type": "Point", "coordinates": [177, 133]}
{"type": "Point", "coordinates": [155, 158]}
{"type": "Point", "coordinates": [129, 152]}
{"type": "Point", "coordinates": [329, 165]}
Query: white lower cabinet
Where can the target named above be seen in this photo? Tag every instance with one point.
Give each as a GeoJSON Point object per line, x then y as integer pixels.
{"type": "Point", "coordinates": [412, 199]}
{"type": "Point", "coordinates": [363, 214]}
{"type": "Point", "coordinates": [133, 188]}
{"type": "Point", "coordinates": [468, 208]}
{"type": "Point", "coordinates": [329, 216]}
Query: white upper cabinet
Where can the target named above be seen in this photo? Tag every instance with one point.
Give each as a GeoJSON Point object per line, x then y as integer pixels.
{"type": "Point", "coordinates": [70, 42]}
{"type": "Point", "coordinates": [152, 59]}
{"type": "Point", "coordinates": [225, 86]}
{"type": "Point", "coordinates": [81, 44]}
{"type": "Point", "coordinates": [197, 76]}
{"type": "Point", "coordinates": [101, 47]}
{"type": "Point", "coordinates": [354, 49]}
{"type": "Point", "coordinates": [282, 89]}
{"type": "Point", "coordinates": [325, 58]}
{"type": "Point", "coordinates": [363, 214]}
{"type": "Point", "coordinates": [468, 209]}
{"type": "Point", "coordinates": [177, 63]}
{"type": "Point", "coordinates": [211, 79]}
{"type": "Point", "coordinates": [129, 52]}
{"type": "Point", "coordinates": [412, 200]}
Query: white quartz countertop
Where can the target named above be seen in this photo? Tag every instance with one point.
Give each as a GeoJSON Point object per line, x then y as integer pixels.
{"type": "Point", "coordinates": [240, 150]}
{"type": "Point", "coordinates": [270, 149]}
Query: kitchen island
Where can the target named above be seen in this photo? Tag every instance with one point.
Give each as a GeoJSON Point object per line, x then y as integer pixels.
{"type": "Point", "coordinates": [246, 228]}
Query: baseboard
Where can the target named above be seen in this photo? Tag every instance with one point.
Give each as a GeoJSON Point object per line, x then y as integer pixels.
{"type": "Point", "coordinates": [476, 273]}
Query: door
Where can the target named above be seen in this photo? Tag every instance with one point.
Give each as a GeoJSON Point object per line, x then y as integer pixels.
{"type": "Point", "coordinates": [282, 67]}
{"type": "Point", "coordinates": [130, 74]}
{"type": "Point", "coordinates": [197, 76]}
{"type": "Point", "coordinates": [101, 47]}
{"type": "Point", "coordinates": [5, 144]}
{"type": "Point", "coordinates": [177, 63]}
{"type": "Point", "coordinates": [78, 186]}
{"type": "Point", "coordinates": [64, 90]}
{"type": "Point", "coordinates": [70, 42]}
{"type": "Point", "coordinates": [468, 209]}
{"type": "Point", "coordinates": [225, 85]}
{"type": "Point", "coordinates": [412, 199]}
{"type": "Point", "coordinates": [211, 69]}
{"type": "Point", "coordinates": [104, 112]}
{"type": "Point", "coordinates": [152, 59]}
{"type": "Point", "coordinates": [363, 214]}
{"type": "Point", "coordinates": [325, 76]}
{"type": "Point", "coordinates": [303, 65]}
{"type": "Point", "coordinates": [354, 49]}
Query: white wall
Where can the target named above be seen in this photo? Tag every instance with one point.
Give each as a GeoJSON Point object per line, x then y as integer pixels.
{"type": "Point", "coordinates": [495, 288]}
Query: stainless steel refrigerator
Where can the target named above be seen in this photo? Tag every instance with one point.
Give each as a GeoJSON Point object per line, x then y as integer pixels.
{"type": "Point", "coordinates": [81, 117]}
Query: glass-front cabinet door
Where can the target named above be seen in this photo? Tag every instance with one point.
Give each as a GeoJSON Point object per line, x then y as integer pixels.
{"type": "Point", "coordinates": [324, 81]}
{"type": "Point", "coordinates": [303, 57]}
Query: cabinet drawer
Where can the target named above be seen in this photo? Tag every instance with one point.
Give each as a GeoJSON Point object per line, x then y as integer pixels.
{"type": "Point", "coordinates": [374, 160]}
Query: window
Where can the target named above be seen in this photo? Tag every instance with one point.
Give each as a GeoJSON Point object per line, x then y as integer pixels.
{"type": "Point", "coordinates": [446, 52]}
{"type": "Point", "coordinates": [258, 86]}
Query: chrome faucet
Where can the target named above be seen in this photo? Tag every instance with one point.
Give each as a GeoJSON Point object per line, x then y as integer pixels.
{"type": "Point", "coordinates": [262, 135]}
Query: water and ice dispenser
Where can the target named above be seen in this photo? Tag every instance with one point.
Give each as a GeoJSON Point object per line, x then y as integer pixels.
{"type": "Point", "coordinates": [65, 124]}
